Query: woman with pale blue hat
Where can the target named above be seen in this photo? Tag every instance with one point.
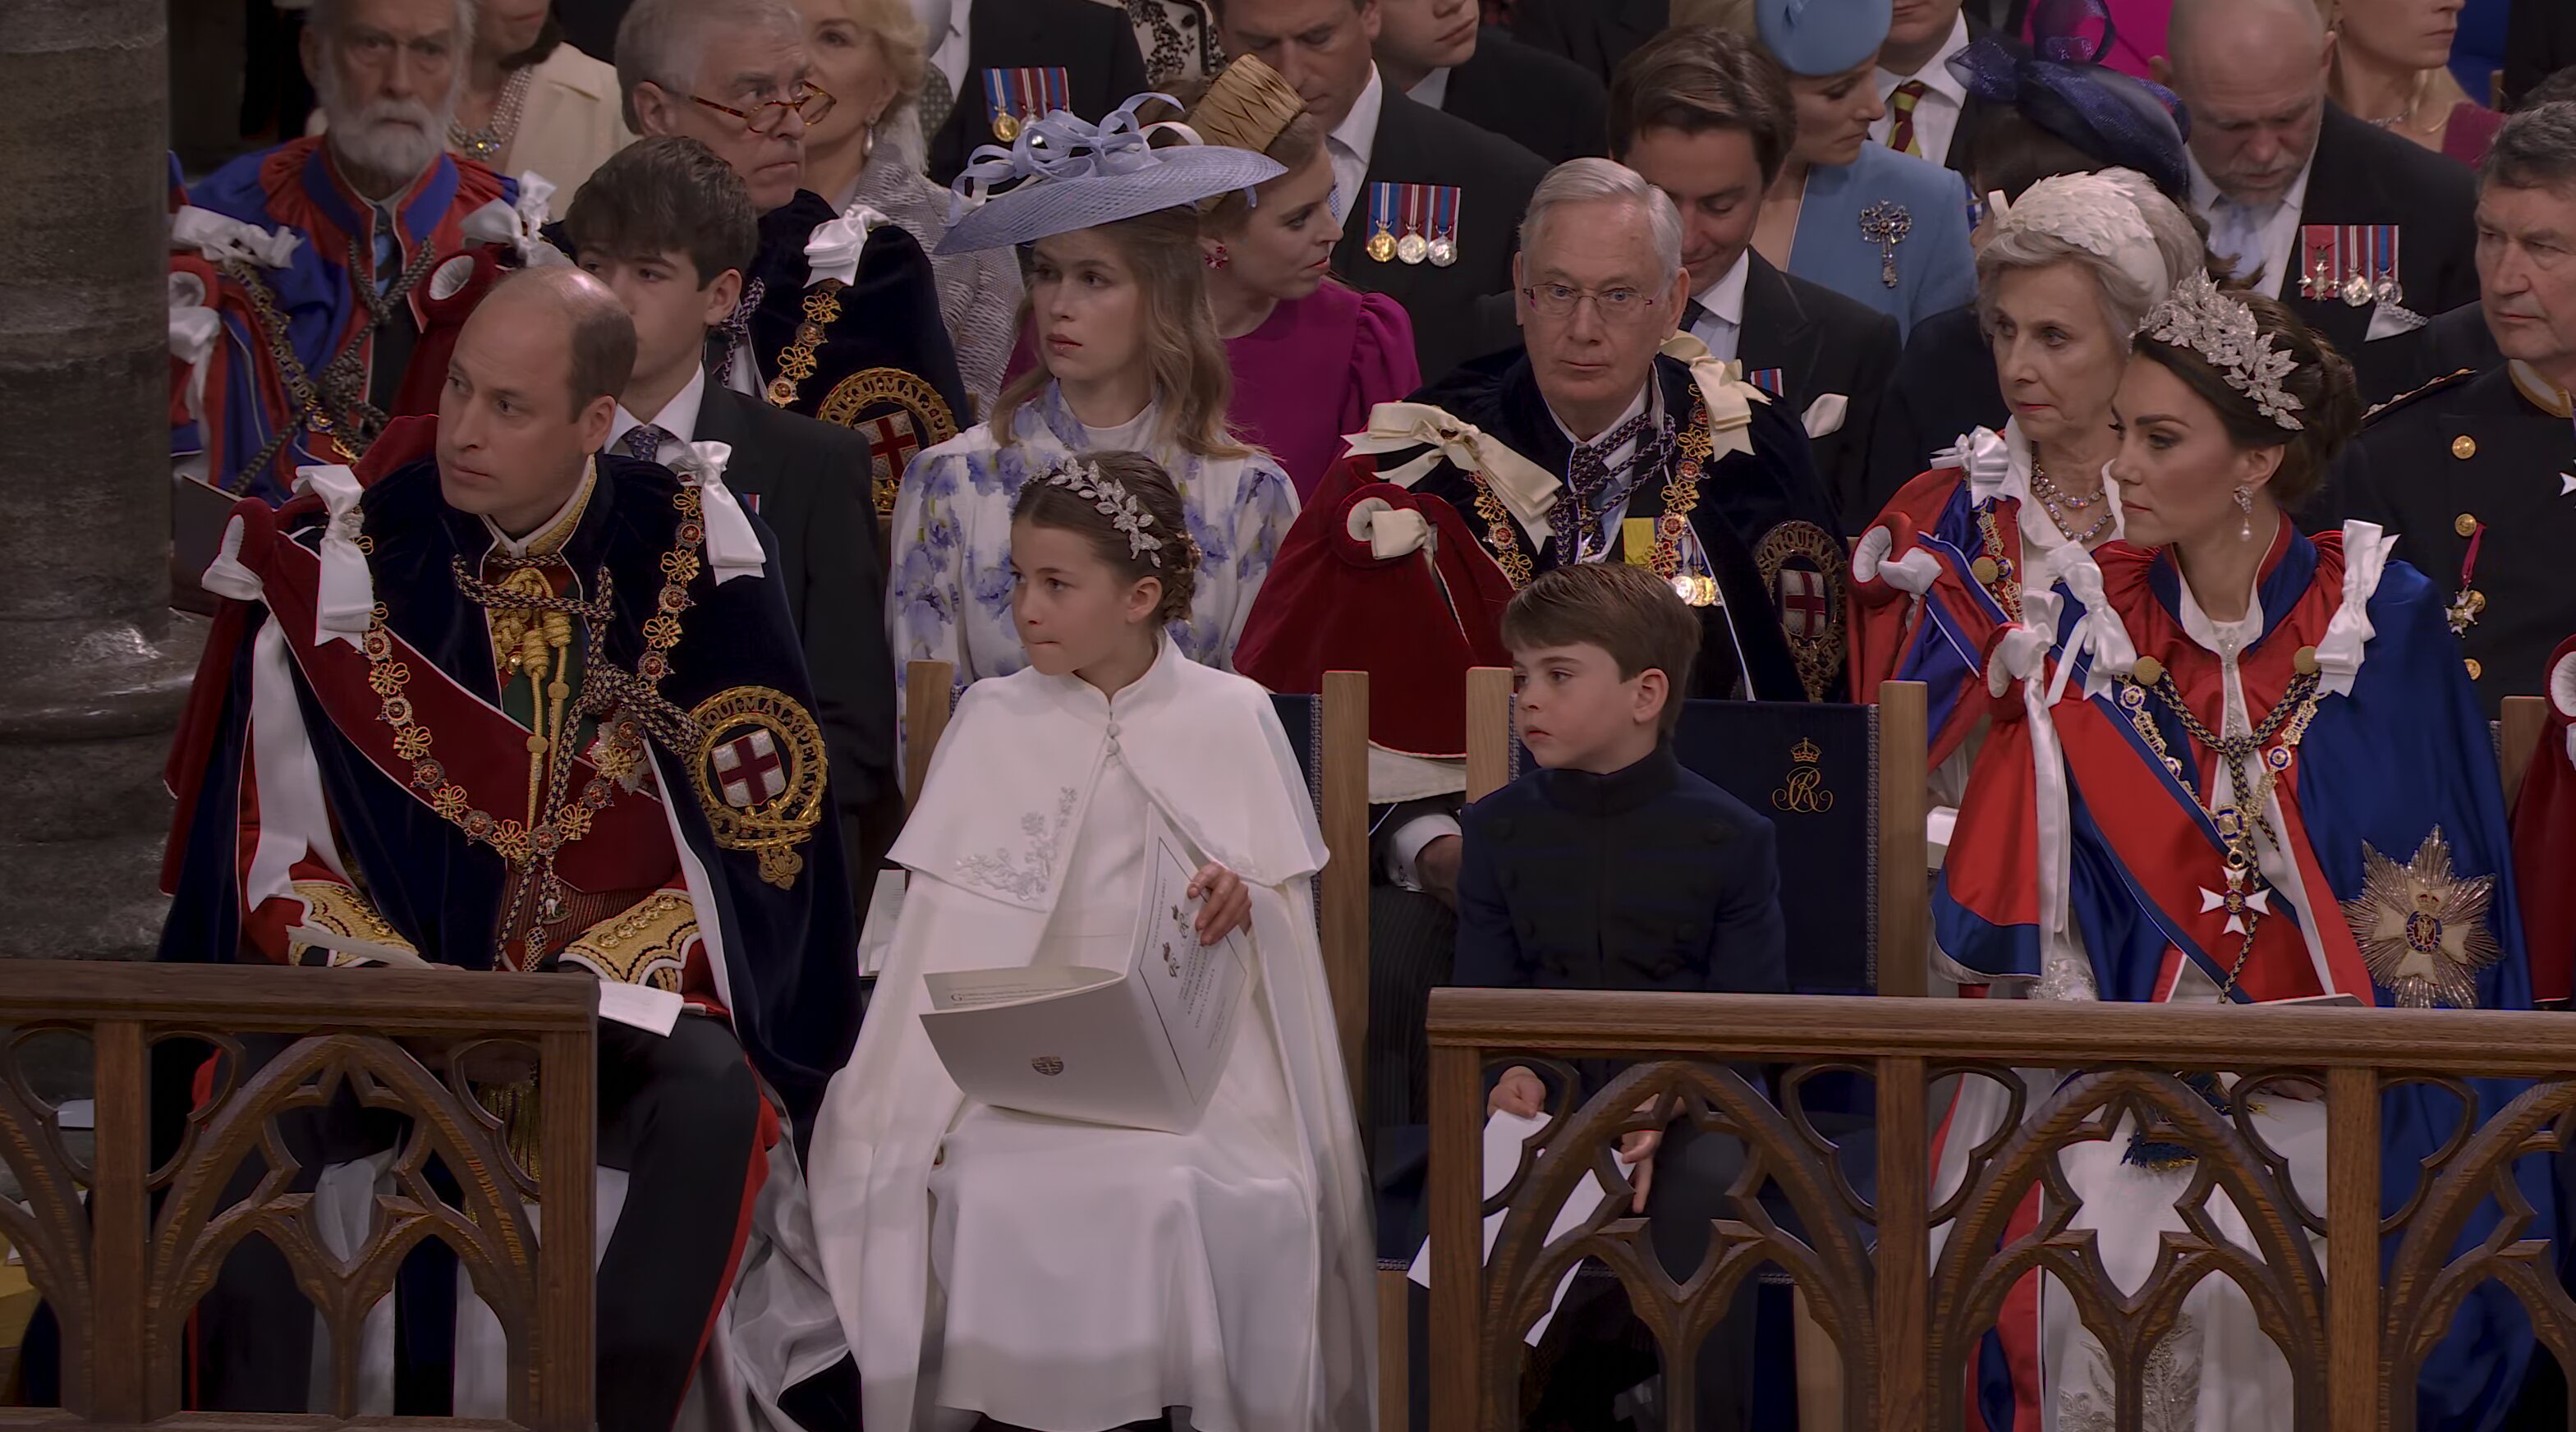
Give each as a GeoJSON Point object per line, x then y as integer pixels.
{"type": "Point", "coordinates": [1883, 228]}
{"type": "Point", "coordinates": [1128, 358]}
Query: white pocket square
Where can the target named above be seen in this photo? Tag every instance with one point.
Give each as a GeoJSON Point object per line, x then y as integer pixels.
{"type": "Point", "coordinates": [1825, 415]}
{"type": "Point", "coordinates": [2387, 320]}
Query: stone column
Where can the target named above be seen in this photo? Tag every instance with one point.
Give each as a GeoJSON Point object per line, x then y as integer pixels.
{"type": "Point", "coordinates": [93, 666]}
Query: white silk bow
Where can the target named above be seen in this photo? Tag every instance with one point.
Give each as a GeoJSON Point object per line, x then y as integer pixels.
{"type": "Point", "coordinates": [1390, 531]}
{"type": "Point", "coordinates": [1913, 574]}
{"type": "Point", "coordinates": [218, 238]}
{"type": "Point", "coordinates": [2100, 631]}
{"type": "Point", "coordinates": [1722, 388]}
{"type": "Point", "coordinates": [1527, 490]}
{"type": "Point", "coordinates": [1986, 459]}
{"type": "Point", "coordinates": [2022, 655]}
{"type": "Point", "coordinates": [733, 549]}
{"type": "Point", "coordinates": [347, 600]}
{"type": "Point", "coordinates": [2365, 558]}
{"type": "Point", "coordinates": [193, 330]}
{"type": "Point", "coordinates": [832, 250]}
{"type": "Point", "coordinates": [521, 226]}
{"type": "Point", "coordinates": [2562, 694]}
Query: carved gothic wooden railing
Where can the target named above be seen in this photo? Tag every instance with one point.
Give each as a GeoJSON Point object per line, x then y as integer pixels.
{"type": "Point", "coordinates": [1906, 1325]}
{"type": "Point", "coordinates": [122, 1251]}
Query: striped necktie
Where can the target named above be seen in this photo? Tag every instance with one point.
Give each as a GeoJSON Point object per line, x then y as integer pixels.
{"type": "Point", "coordinates": [1901, 136]}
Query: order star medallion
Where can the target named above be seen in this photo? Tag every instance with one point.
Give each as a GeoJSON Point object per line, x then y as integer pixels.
{"type": "Point", "coordinates": [2423, 931]}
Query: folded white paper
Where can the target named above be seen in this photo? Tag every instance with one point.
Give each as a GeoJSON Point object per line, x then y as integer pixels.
{"type": "Point", "coordinates": [1140, 1046]}
{"type": "Point", "coordinates": [1505, 1134]}
{"type": "Point", "coordinates": [641, 1006]}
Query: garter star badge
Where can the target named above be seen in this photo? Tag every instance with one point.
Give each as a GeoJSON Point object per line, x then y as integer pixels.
{"type": "Point", "coordinates": [2423, 932]}
{"type": "Point", "coordinates": [759, 770]}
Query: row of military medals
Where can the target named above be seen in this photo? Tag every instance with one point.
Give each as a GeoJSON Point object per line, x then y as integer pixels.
{"type": "Point", "coordinates": [1413, 222]}
{"type": "Point", "coordinates": [2354, 262]}
{"type": "Point", "coordinates": [1014, 97]}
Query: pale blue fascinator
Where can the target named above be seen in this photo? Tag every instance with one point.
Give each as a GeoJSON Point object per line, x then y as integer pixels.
{"type": "Point", "coordinates": [1063, 173]}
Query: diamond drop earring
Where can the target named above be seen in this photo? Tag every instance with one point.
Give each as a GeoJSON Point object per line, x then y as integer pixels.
{"type": "Point", "coordinates": [2245, 505]}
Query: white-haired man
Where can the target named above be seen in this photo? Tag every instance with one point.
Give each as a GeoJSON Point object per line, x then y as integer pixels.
{"type": "Point", "coordinates": [322, 278]}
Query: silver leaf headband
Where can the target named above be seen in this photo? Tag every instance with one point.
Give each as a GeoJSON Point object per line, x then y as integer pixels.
{"type": "Point", "coordinates": [1111, 499]}
{"type": "Point", "coordinates": [2222, 329]}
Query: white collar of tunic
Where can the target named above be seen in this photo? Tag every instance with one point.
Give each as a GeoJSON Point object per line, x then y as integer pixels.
{"type": "Point", "coordinates": [1016, 769]}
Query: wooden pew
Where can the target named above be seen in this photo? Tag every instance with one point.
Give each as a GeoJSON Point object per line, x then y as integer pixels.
{"type": "Point", "coordinates": [124, 1279]}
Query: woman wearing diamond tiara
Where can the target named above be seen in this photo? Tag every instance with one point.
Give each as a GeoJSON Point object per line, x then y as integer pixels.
{"type": "Point", "coordinates": [2275, 774]}
{"type": "Point", "coordinates": [1045, 1273]}
{"type": "Point", "coordinates": [1128, 358]}
{"type": "Point", "coordinates": [1980, 540]}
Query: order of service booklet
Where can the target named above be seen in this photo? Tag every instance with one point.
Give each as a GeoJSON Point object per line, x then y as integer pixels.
{"type": "Point", "coordinates": [1142, 1046]}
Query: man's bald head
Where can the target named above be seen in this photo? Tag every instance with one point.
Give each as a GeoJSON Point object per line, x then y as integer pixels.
{"type": "Point", "coordinates": [509, 446]}
{"type": "Point", "coordinates": [2253, 75]}
{"type": "Point", "coordinates": [599, 334]}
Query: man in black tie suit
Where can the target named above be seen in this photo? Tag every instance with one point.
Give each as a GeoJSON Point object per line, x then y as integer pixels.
{"type": "Point", "coordinates": [1707, 117]}
{"type": "Point", "coordinates": [1439, 54]}
{"type": "Point", "coordinates": [1429, 203]}
{"type": "Point", "coordinates": [2295, 189]}
{"type": "Point", "coordinates": [1092, 45]}
{"type": "Point", "coordinates": [668, 227]}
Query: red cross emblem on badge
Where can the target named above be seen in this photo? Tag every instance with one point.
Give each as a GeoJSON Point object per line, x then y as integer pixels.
{"type": "Point", "coordinates": [891, 443]}
{"type": "Point", "coordinates": [1804, 608]}
{"type": "Point", "coordinates": [749, 771]}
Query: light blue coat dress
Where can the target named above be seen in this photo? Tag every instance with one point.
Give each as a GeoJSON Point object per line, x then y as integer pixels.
{"type": "Point", "coordinates": [1935, 270]}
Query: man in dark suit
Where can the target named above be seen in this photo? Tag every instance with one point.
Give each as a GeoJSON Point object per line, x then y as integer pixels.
{"type": "Point", "coordinates": [2296, 190]}
{"type": "Point", "coordinates": [1092, 45]}
{"type": "Point", "coordinates": [1436, 52]}
{"type": "Point", "coordinates": [1595, 34]}
{"type": "Point", "coordinates": [1930, 114]}
{"type": "Point", "coordinates": [2476, 475]}
{"type": "Point", "coordinates": [1429, 202]}
{"type": "Point", "coordinates": [668, 227]}
{"type": "Point", "coordinates": [1706, 117]}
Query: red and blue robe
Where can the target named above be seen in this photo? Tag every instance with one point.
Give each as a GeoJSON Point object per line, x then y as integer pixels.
{"type": "Point", "coordinates": [2404, 753]}
{"type": "Point", "coordinates": [298, 188]}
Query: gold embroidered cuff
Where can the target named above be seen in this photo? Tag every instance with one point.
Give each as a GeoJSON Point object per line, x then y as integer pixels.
{"type": "Point", "coordinates": [646, 945]}
{"type": "Point", "coordinates": [342, 930]}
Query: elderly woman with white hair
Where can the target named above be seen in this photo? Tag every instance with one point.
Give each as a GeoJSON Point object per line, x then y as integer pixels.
{"type": "Point", "coordinates": [1980, 540]}
{"type": "Point", "coordinates": [868, 153]}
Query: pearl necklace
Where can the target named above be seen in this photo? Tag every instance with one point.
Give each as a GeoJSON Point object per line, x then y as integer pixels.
{"type": "Point", "coordinates": [482, 144]}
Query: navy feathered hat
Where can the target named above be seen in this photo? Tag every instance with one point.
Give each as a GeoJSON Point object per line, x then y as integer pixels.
{"type": "Point", "coordinates": [2062, 87]}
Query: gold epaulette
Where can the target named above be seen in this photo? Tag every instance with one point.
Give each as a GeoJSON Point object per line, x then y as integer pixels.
{"type": "Point", "coordinates": [336, 909]}
{"type": "Point", "coordinates": [2444, 383]}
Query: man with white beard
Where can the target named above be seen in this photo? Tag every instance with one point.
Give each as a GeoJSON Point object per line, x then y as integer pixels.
{"type": "Point", "coordinates": [317, 288]}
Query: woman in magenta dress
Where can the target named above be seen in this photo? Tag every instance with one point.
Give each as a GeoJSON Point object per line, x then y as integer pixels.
{"type": "Point", "coordinates": [1310, 356]}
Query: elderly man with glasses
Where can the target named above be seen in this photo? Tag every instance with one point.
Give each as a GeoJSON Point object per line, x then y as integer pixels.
{"type": "Point", "coordinates": [839, 315]}
{"type": "Point", "coordinates": [318, 287]}
{"type": "Point", "coordinates": [1607, 437]}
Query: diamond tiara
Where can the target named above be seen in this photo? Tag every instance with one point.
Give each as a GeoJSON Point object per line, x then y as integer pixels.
{"type": "Point", "coordinates": [1111, 499]}
{"type": "Point", "coordinates": [2221, 329]}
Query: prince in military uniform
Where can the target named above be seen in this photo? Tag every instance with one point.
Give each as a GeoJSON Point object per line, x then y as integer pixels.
{"type": "Point", "coordinates": [2477, 473]}
{"type": "Point", "coordinates": [500, 702]}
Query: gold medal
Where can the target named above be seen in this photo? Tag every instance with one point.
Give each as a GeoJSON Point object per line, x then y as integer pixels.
{"type": "Point", "coordinates": [1444, 252]}
{"type": "Point", "coordinates": [1006, 126]}
{"type": "Point", "coordinates": [1412, 248]}
{"type": "Point", "coordinates": [1381, 246]}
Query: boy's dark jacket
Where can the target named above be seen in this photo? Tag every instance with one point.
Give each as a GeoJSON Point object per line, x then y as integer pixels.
{"type": "Point", "coordinates": [1649, 878]}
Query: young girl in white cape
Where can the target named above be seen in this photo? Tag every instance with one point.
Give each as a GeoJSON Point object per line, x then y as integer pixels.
{"type": "Point", "coordinates": [1072, 1277]}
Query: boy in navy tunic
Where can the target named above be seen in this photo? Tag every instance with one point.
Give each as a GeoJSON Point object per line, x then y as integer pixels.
{"type": "Point", "coordinates": [1612, 867]}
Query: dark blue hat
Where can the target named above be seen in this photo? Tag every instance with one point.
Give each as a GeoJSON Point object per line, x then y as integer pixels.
{"type": "Point", "coordinates": [2062, 88]}
{"type": "Point", "coordinates": [1821, 37]}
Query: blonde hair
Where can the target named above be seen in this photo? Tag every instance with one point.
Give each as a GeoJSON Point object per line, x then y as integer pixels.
{"type": "Point", "coordinates": [1193, 379]}
{"type": "Point", "coordinates": [899, 37]}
